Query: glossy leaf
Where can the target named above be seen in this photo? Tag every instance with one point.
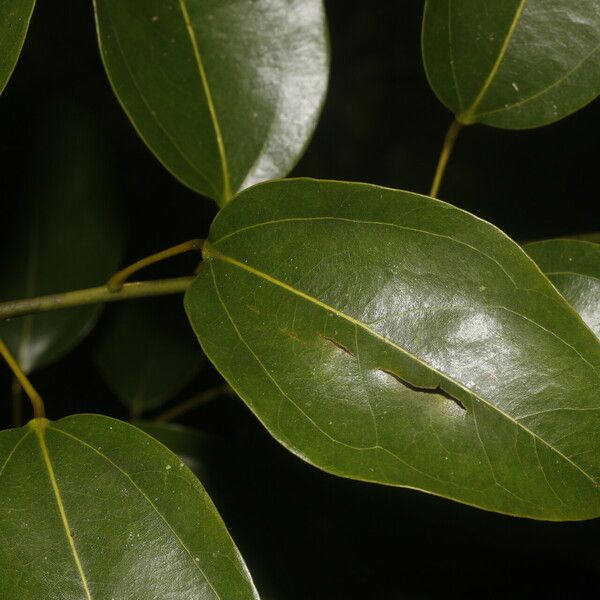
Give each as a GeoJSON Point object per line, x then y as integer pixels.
{"type": "Point", "coordinates": [147, 353]}
{"type": "Point", "coordinates": [95, 508]}
{"type": "Point", "coordinates": [14, 22]}
{"type": "Point", "coordinates": [574, 268]}
{"type": "Point", "coordinates": [514, 64]}
{"type": "Point", "coordinates": [67, 233]}
{"type": "Point", "coordinates": [390, 337]}
{"type": "Point", "coordinates": [226, 94]}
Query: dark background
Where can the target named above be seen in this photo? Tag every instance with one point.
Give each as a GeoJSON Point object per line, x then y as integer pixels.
{"type": "Point", "coordinates": [305, 534]}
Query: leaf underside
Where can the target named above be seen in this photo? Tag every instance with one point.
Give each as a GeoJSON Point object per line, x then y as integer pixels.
{"type": "Point", "coordinates": [146, 352]}
{"type": "Point", "coordinates": [389, 337]}
{"type": "Point", "coordinates": [70, 210]}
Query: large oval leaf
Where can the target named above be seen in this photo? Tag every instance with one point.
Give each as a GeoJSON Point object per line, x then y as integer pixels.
{"type": "Point", "coordinates": [14, 22]}
{"type": "Point", "coordinates": [147, 353]}
{"type": "Point", "coordinates": [573, 266]}
{"type": "Point", "coordinates": [226, 94]}
{"type": "Point", "coordinates": [390, 337]}
{"type": "Point", "coordinates": [512, 63]}
{"type": "Point", "coordinates": [66, 233]}
{"type": "Point", "coordinates": [95, 508]}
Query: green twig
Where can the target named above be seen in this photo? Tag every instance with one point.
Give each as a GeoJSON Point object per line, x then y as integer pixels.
{"type": "Point", "coordinates": [447, 147]}
{"type": "Point", "coordinates": [116, 282]}
{"type": "Point", "coordinates": [95, 295]}
{"type": "Point", "coordinates": [36, 400]}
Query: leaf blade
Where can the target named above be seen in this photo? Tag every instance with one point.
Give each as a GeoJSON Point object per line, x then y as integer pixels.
{"type": "Point", "coordinates": [514, 65]}
{"type": "Point", "coordinates": [153, 508]}
{"type": "Point", "coordinates": [146, 354]}
{"type": "Point", "coordinates": [249, 81]}
{"type": "Point", "coordinates": [70, 209]}
{"type": "Point", "coordinates": [345, 407]}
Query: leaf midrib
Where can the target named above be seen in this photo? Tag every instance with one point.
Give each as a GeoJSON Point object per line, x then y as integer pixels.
{"type": "Point", "coordinates": [209, 100]}
{"type": "Point", "coordinates": [540, 93]}
{"type": "Point", "coordinates": [468, 115]}
{"type": "Point", "coordinates": [424, 232]}
{"type": "Point", "coordinates": [152, 113]}
{"type": "Point", "coordinates": [39, 428]}
{"type": "Point", "coordinates": [143, 494]}
{"type": "Point", "coordinates": [212, 253]}
{"type": "Point", "coordinates": [299, 408]}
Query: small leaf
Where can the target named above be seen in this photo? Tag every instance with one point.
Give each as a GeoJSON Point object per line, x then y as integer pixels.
{"type": "Point", "coordinates": [147, 353]}
{"type": "Point", "coordinates": [14, 22]}
{"type": "Point", "coordinates": [514, 64]}
{"type": "Point", "coordinates": [226, 94]}
{"type": "Point", "coordinates": [94, 508]}
{"type": "Point", "coordinates": [390, 337]}
{"type": "Point", "coordinates": [67, 233]}
{"type": "Point", "coordinates": [574, 268]}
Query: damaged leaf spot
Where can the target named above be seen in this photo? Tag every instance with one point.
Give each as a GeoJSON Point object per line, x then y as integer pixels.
{"type": "Point", "coordinates": [426, 390]}
{"type": "Point", "coordinates": [335, 343]}
{"type": "Point", "coordinates": [293, 336]}
{"type": "Point", "coordinates": [411, 386]}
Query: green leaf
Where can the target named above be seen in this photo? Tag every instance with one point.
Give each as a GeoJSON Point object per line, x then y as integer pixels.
{"type": "Point", "coordinates": [226, 94]}
{"type": "Point", "coordinates": [514, 64]}
{"type": "Point", "coordinates": [389, 337]}
{"type": "Point", "coordinates": [147, 353]}
{"type": "Point", "coordinates": [94, 508]}
{"type": "Point", "coordinates": [574, 268]}
{"type": "Point", "coordinates": [14, 22]}
{"type": "Point", "coordinates": [66, 233]}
